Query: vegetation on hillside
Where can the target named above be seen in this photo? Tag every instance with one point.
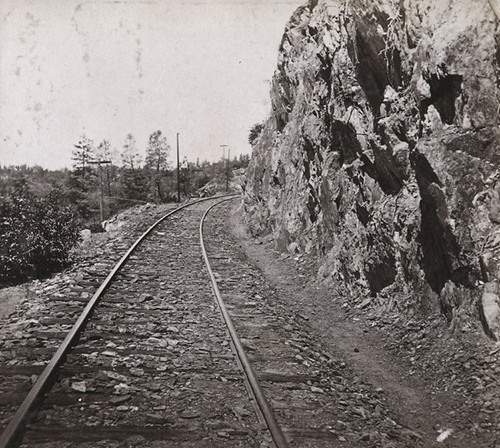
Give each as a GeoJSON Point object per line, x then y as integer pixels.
{"type": "Point", "coordinates": [43, 211]}
{"type": "Point", "coordinates": [37, 235]}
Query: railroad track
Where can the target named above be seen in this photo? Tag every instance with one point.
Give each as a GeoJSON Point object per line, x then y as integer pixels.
{"type": "Point", "coordinates": [152, 361]}
{"type": "Point", "coordinates": [155, 365]}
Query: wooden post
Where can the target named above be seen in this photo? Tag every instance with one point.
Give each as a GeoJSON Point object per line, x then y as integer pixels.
{"type": "Point", "coordinates": [178, 172]}
{"type": "Point", "coordinates": [101, 191]}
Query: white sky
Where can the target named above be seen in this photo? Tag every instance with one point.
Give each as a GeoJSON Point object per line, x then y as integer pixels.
{"type": "Point", "coordinates": [108, 68]}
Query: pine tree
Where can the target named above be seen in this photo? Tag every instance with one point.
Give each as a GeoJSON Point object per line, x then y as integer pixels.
{"type": "Point", "coordinates": [106, 154]}
{"type": "Point", "coordinates": [83, 153]}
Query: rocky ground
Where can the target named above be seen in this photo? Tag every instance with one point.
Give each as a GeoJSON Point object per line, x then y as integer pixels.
{"type": "Point", "coordinates": [23, 301]}
{"type": "Point", "coordinates": [390, 380]}
{"type": "Point", "coordinates": [439, 380]}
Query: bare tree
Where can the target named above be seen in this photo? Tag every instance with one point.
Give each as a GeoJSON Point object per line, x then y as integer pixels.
{"type": "Point", "coordinates": [157, 160]}
{"type": "Point", "coordinates": [130, 155]}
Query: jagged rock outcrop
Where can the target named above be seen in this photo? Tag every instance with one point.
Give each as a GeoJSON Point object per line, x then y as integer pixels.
{"type": "Point", "coordinates": [381, 152]}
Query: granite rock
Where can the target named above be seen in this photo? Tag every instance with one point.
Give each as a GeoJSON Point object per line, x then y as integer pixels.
{"type": "Point", "coordinates": [380, 154]}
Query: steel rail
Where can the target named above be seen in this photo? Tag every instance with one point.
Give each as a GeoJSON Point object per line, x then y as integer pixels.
{"type": "Point", "coordinates": [271, 422]}
{"type": "Point", "coordinates": [13, 430]}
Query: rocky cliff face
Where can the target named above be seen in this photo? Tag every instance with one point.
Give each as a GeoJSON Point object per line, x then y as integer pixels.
{"type": "Point", "coordinates": [381, 152]}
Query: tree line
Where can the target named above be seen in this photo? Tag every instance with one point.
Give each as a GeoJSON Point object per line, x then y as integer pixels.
{"type": "Point", "coordinates": [42, 211]}
{"type": "Point", "coordinates": [125, 177]}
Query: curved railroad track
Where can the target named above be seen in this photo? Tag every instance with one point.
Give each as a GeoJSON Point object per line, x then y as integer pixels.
{"type": "Point", "coordinates": [130, 368]}
{"type": "Point", "coordinates": [149, 362]}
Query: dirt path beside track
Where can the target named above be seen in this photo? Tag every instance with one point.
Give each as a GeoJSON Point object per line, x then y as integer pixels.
{"type": "Point", "coordinates": [425, 398]}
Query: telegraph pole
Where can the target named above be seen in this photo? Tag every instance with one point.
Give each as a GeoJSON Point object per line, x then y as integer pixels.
{"type": "Point", "coordinates": [223, 151]}
{"type": "Point", "coordinates": [224, 160]}
{"type": "Point", "coordinates": [178, 172]}
{"type": "Point", "coordinates": [227, 168]}
{"type": "Point", "coordinates": [101, 199]}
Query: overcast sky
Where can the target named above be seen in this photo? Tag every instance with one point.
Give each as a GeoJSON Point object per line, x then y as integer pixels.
{"type": "Point", "coordinates": [108, 68]}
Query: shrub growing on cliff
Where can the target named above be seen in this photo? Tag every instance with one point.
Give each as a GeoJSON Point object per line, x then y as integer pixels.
{"type": "Point", "coordinates": [36, 236]}
{"type": "Point", "coordinates": [255, 133]}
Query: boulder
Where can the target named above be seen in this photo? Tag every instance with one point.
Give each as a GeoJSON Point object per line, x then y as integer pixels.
{"type": "Point", "coordinates": [489, 307]}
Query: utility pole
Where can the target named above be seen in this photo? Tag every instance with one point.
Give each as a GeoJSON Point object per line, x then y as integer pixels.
{"type": "Point", "coordinates": [101, 198]}
{"type": "Point", "coordinates": [224, 160]}
{"type": "Point", "coordinates": [178, 173]}
{"type": "Point", "coordinates": [227, 168]}
{"type": "Point", "coordinates": [223, 151]}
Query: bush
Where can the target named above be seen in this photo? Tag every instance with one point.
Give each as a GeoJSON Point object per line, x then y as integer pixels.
{"type": "Point", "coordinates": [37, 236]}
{"type": "Point", "coordinates": [255, 133]}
